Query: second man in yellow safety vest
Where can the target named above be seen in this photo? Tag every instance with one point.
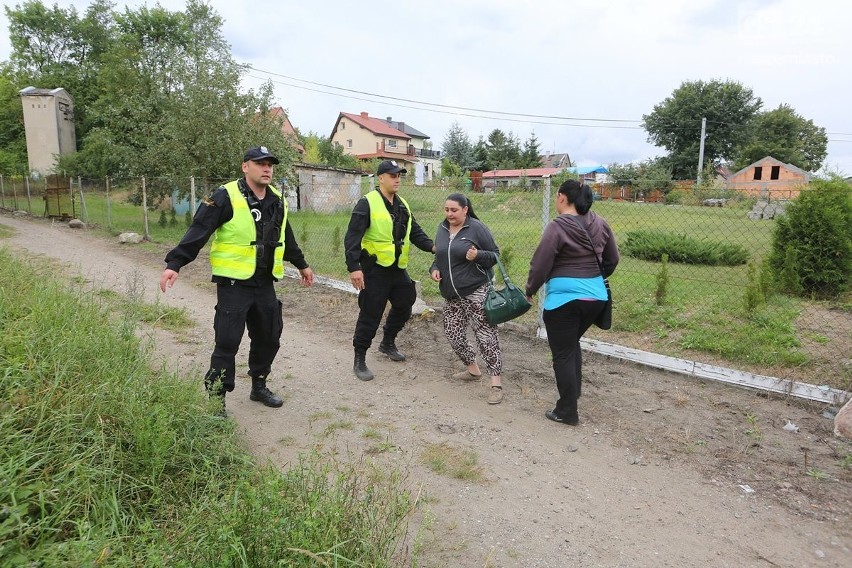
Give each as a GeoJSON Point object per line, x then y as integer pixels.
{"type": "Point", "coordinates": [378, 240]}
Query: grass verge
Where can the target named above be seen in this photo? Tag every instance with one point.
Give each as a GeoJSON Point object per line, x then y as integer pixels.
{"type": "Point", "coordinates": [105, 462]}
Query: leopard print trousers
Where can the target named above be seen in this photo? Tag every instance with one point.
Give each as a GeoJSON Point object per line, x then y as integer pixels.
{"type": "Point", "coordinates": [458, 313]}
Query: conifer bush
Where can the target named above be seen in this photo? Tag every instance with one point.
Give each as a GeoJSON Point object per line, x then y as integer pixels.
{"type": "Point", "coordinates": [812, 242]}
{"type": "Point", "coordinates": [652, 245]}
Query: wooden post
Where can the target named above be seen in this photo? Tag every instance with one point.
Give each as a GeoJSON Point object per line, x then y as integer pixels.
{"type": "Point", "coordinates": [29, 199]}
{"type": "Point", "coordinates": [2, 193]}
{"type": "Point", "coordinates": [83, 212]}
{"type": "Point", "coordinates": [145, 209]}
{"type": "Point", "coordinates": [109, 205]}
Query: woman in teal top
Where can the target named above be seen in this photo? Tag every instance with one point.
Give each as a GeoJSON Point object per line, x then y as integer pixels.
{"type": "Point", "coordinates": [566, 263]}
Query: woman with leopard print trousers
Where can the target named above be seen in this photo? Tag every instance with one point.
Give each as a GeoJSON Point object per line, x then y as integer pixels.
{"type": "Point", "coordinates": [464, 251]}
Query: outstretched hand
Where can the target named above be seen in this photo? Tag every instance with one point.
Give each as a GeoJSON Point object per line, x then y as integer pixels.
{"type": "Point", "coordinates": [168, 279]}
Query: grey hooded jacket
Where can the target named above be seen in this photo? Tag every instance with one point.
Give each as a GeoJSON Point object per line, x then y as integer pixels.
{"type": "Point", "coordinates": [461, 277]}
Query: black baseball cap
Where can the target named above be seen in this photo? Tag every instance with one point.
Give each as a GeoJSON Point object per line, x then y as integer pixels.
{"type": "Point", "coordinates": [259, 153]}
{"type": "Point", "coordinates": [390, 167]}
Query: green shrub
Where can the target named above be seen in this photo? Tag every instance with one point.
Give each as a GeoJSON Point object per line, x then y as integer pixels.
{"type": "Point", "coordinates": [765, 279]}
{"type": "Point", "coordinates": [336, 240]}
{"type": "Point", "coordinates": [677, 197]}
{"type": "Point", "coordinates": [652, 245]}
{"type": "Point", "coordinates": [753, 295]}
{"type": "Point", "coordinates": [788, 276]}
{"type": "Point", "coordinates": [507, 255]}
{"type": "Point", "coordinates": [662, 281]}
{"type": "Point", "coordinates": [817, 228]}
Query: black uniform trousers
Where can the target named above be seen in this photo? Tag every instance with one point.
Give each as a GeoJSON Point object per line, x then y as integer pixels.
{"type": "Point", "coordinates": [565, 326]}
{"type": "Point", "coordinates": [237, 308]}
{"type": "Point", "coordinates": [383, 285]}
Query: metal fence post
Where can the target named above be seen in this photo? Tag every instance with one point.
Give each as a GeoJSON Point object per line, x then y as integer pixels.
{"type": "Point", "coordinates": [2, 193]}
{"type": "Point", "coordinates": [545, 219]}
{"type": "Point", "coordinates": [14, 195]}
{"type": "Point", "coordinates": [145, 208]}
{"type": "Point", "coordinates": [545, 204]}
{"type": "Point", "coordinates": [71, 194]}
{"type": "Point", "coordinates": [191, 196]}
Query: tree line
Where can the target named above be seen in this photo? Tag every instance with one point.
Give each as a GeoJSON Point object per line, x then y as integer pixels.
{"type": "Point", "coordinates": [738, 133]}
{"type": "Point", "coordinates": [155, 92]}
{"type": "Point", "coordinates": [499, 151]}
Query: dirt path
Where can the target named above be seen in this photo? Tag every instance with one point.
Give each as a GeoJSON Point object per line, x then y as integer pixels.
{"type": "Point", "coordinates": [663, 471]}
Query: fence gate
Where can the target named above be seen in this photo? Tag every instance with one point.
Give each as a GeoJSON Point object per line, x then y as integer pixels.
{"type": "Point", "coordinates": [58, 198]}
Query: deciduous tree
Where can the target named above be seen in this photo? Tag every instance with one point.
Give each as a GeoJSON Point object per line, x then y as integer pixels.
{"type": "Point", "coordinates": [675, 123]}
{"type": "Point", "coordinates": [785, 135]}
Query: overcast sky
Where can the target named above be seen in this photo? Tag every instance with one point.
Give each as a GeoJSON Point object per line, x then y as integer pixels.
{"type": "Point", "coordinates": [553, 58]}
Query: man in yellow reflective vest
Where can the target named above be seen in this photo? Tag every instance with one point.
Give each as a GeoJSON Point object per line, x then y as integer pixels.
{"type": "Point", "coordinates": [378, 240]}
{"type": "Point", "coordinates": [251, 240]}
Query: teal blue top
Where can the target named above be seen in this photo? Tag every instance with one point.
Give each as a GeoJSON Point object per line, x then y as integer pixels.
{"type": "Point", "coordinates": [563, 289]}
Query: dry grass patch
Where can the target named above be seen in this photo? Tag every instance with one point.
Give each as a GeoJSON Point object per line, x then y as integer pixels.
{"type": "Point", "coordinates": [453, 462]}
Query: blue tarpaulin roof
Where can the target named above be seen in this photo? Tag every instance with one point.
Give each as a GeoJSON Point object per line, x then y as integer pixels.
{"type": "Point", "coordinates": [588, 170]}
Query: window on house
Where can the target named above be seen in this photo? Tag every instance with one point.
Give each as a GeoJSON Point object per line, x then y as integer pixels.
{"type": "Point", "coordinates": [776, 171]}
{"type": "Point", "coordinates": [758, 172]}
{"type": "Point", "coordinates": [391, 143]}
{"type": "Point", "coordinates": [342, 125]}
{"type": "Point", "coordinates": [349, 143]}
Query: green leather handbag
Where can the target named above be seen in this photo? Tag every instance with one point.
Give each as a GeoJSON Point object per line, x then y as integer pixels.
{"type": "Point", "coordinates": [504, 304]}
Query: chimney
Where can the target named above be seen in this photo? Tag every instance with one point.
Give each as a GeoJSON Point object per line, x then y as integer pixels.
{"type": "Point", "coordinates": [400, 126]}
{"type": "Point", "coordinates": [364, 115]}
{"type": "Point", "coordinates": [390, 119]}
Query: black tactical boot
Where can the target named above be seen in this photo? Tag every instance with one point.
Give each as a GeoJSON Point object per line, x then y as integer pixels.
{"type": "Point", "coordinates": [360, 367]}
{"type": "Point", "coordinates": [260, 393]}
{"type": "Point", "coordinates": [389, 349]}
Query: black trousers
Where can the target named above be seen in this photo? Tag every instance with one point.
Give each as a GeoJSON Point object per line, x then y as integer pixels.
{"type": "Point", "coordinates": [565, 326]}
{"type": "Point", "coordinates": [383, 285]}
{"type": "Point", "coordinates": [237, 308]}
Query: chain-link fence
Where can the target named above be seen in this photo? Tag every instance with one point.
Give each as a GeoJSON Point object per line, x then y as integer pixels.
{"type": "Point", "coordinates": [713, 304]}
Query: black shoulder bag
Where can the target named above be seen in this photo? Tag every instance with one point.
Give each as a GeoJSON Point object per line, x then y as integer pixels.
{"type": "Point", "coordinates": [604, 319]}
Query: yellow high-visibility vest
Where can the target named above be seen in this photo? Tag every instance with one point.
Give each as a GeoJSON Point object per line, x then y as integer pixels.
{"type": "Point", "coordinates": [231, 254]}
{"type": "Point", "coordinates": [378, 239]}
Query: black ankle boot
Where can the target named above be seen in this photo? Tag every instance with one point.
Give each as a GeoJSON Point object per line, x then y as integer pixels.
{"type": "Point", "coordinates": [389, 348]}
{"type": "Point", "coordinates": [360, 367]}
{"type": "Point", "coordinates": [260, 393]}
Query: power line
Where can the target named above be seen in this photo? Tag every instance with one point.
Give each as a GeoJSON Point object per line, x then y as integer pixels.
{"type": "Point", "coordinates": [447, 111]}
{"type": "Point", "coordinates": [452, 110]}
{"type": "Point", "coordinates": [502, 113]}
